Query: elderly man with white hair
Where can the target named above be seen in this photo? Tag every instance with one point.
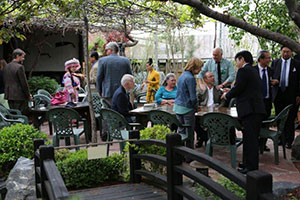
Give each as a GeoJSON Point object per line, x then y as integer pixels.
{"type": "Point", "coordinates": [120, 101]}
{"type": "Point", "coordinates": [222, 69]}
{"type": "Point", "coordinates": [111, 68]}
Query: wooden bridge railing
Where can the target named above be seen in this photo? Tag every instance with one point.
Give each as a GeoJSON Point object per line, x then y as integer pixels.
{"type": "Point", "coordinates": [49, 183]}
{"type": "Point", "coordinates": [258, 184]}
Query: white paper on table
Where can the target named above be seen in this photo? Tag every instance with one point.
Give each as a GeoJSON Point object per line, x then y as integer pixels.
{"type": "Point", "coordinates": [97, 152]}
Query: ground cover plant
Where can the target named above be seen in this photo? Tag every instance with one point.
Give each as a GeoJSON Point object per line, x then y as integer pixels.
{"type": "Point", "coordinates": [16, 141]}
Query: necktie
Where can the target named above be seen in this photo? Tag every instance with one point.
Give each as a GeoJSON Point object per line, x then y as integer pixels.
{"type": "Point", "coordinates": [219, 73]}
{"type": "Point", "coordinates": [264, 83]}
{"type": "Point", "coordinates": [282, 78]}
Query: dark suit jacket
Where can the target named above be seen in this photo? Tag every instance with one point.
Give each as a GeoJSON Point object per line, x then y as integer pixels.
{"type": "Point", "coordinates": [270, 75]}
{"type": "Point", "coordinates": [16, 86]}
{"type": "Point", "coordinates": [121, 103]}
{"type": "Point", "coordinates": [203, 97]}
{"type": "Point", "coordinates": [293, 84]}
{"type": "Point", "coordinates": [247, 91]}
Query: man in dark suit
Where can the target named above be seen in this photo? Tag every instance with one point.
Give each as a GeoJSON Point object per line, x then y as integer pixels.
{"type": "Point", "coordinates": [250, 107]}
{"type": "Point", "coordinates": [265, 73]}
{"type": "Point", "coordinates": [120, 99]}
{"type": "Point", "coordinates": [285, 90]}
{"type": "Point", "coordinates": [16, 86]}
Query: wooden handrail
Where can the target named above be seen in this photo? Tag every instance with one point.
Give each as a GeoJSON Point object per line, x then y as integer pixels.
{"type": "Point", "coordinates": [49, 183]}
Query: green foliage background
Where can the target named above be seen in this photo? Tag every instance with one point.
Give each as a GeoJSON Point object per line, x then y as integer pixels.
{"type": "Point", "coordinates": [17, 141]}
{"type": "Point", "coordinates": [42, 82]}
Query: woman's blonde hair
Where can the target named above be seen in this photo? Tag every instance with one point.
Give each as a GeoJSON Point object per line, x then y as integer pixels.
{"type": "Point", "coordinates": [193, 63]}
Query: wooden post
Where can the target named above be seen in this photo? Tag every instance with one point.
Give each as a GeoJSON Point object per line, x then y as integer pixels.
{"type": "Point", "coordinates": [46, 152]}
{"type": "Point", "coordinates": [258, 182]}
{"type": "Point", "coordinates": [173, 178]}
{"type": "Point", "coordinates": [36, 144]}
{"type": "Point", "coordinates": [134, 163]}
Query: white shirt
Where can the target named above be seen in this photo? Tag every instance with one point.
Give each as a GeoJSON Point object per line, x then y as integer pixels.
{"type": "Point", "coordinates": [287, 70]}
{"type": "Point", "coordinates": [261, 74]}
{"type": "Point", "coordinates": [210, 101]}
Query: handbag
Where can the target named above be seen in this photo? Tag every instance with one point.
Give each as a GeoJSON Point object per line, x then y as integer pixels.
{"type": "Point", "coordinates": [60, 98]}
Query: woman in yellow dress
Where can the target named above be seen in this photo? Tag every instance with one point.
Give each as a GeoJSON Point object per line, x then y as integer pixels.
{"type": "Point", "coordinates": [152, 81]}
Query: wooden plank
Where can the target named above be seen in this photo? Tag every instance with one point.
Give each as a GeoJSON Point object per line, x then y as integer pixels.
{"type": "Point", "coordinates": [122, 191]}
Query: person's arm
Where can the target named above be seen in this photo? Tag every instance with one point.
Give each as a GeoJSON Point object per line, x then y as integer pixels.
{"type": "Point", "coordinates": [23, 81]}
{"type": "Point", "coordinates": [240, 85]}
{"type": "Point", "coordinates": [159, 95]}
{"type": "Point", "coordinates": [155, 80]}
{"type": "Point", "coordinates": [100, 76]}
{"type": "Point", "coordinates": [128, 67]}
{"type": "Point", "coordinates": [191, 84]}
{"type": "Point", "coordinates": [203, 71]}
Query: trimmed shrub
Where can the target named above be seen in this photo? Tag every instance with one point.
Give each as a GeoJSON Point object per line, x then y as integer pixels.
{"type": "Point", "coordinates": [226, 183]}
{"type": "Point", "coordinates": [158, 132]}
{"type": "Point", "coordinates": [16, 141]}
{"type": "Point", "coordinates": [40, 82]}
{"type": "Point", "coordinates": [79, 172]}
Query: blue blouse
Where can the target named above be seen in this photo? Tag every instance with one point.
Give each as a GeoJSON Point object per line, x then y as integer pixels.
{"type": "Point", "coordinates": [162, 93]}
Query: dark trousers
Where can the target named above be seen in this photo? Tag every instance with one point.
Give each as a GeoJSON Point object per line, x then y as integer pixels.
{"type": "Point", "coordinates": [201, 133]}
{"type": "Point", "coordinates": [251, 124]}
{"type": "Point", "coordinates": [282, 100]}
{"type": "Point", "coordinates": [21, 105]}
{"type": "Point", "coordinates": [268, 107]}
{"type": "Point", "coordinates": [188, 118]}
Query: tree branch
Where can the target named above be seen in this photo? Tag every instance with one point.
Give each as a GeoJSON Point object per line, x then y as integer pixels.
{"type": "Point", "coordinates": [227, 19]}
{"type": "Point", "coordinates": [294, 11]}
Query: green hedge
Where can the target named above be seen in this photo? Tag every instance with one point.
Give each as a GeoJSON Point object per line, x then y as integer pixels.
{"type": "Point", "coordinates": [16, 141]}
{"type": "Point", "coordinates": [79, 172]}
{"type": "Point", "coordinates": [42, 82]}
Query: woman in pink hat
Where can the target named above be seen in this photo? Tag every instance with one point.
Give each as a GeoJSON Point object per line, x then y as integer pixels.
{"type": "Point", "coordinates": [71, 80]}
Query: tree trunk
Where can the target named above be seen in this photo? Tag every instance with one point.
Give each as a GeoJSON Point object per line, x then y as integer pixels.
{"type": "Point", "coordinates": [86, 56]}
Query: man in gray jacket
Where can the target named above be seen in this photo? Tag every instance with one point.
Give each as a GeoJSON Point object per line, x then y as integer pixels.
{"type": "Point", "coordinates": [110, 71]}
{"type": "Point", "coordinates": [16, 87]}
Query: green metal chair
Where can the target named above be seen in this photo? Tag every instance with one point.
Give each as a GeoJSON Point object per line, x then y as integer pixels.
{"type": "Point", "coordinates": [97, 105]}
{"type": "Point", "coordinates": [221, 133]}
{"type": "Point", "coordinates": [105, 103]}
{"type": "Point", "coordinates": [275, 135]}
{"type": "Point", "coordinates": [232, 103]}
{"type": "Point", "coordinates": [44, 92]}
{"type": "Point", "coordinates": [60, 89]}
{"type": "Point", "coordinates": [7, 118]}
{"type": "Point", "coordinates": [41, 100]}
{"type": "Point", "coordinates": [169, 120]}
{"type": "Point", "coordinates": [62, 120]}
{"type": "Point", "coordinates": [117, 126]}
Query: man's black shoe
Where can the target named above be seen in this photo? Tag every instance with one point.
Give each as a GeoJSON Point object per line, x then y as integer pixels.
{"type": "Point", "coordinates": [199, 144]}
{"type": "Point", "coordinates": [288, 146]}
{"type": "Point", "coordinates": [266, 148]}
{"type": "Point", "coordinates": [244, 170]}
{"type": "Point", "coordinates": [241, 165]}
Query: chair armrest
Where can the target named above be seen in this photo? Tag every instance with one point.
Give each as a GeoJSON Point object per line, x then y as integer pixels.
{"type": "Point", "coordinates": [268, 123]}
{"type": "Point", "coordinates": [134, 124]}
{"type": "Point", "coordinates": [186, 125]}
{"type": "Point", "coordinates": [12, 121]}
{"type": "Point", "coordinates": [22, 118]}
{"type": "Point", "coordinates": [15, 112]}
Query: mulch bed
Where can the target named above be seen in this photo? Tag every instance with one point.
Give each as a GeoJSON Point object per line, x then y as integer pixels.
{"type": "Point", "coordinates": [293, 195]}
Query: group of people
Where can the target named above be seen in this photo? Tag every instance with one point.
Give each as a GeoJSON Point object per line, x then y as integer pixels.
{"type": "Point", "coordinates": [255, 88]}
